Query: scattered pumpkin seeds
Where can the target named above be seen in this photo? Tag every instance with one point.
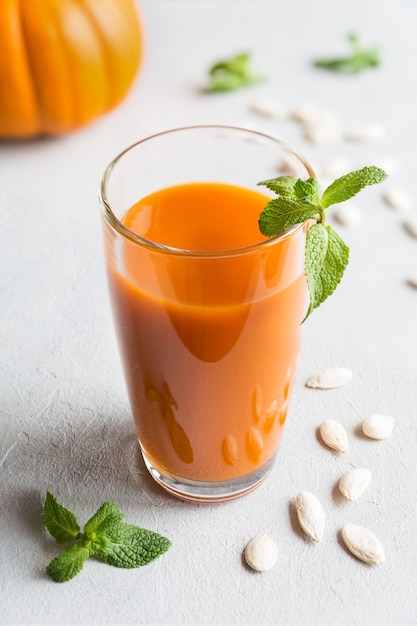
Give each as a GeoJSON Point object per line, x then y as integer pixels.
{"type": "Point", "coordinates": [412, 280]}
{"type": "Point", "coordinates": [338, 166]}
{"type": "Point", "coordinates": [354, 482]}
{"type": "Point", "coordinates": [334, 435]}
{"type": "Point", "coordinates": [348, 214]}
{"type": "Point", "coordinates": [261, 553]}
{"type": "Point", "coordinates": [410, 225]}
{"type": "Point", "coordinates": [363, 544]}
{"type": "Point", "coordinates": [398, 198]}
{"type": "Point", "coordinates": [269, 107]}
{"type": "Point", "coordinates": [323, 135]}
{"type": "Point", "coordinates": [311, 114]}
{"type": "Point", "coordinates": [378, 426]}
{"type": "Point", "coordinates": [330, 378]}
{"type": "Point", "coordinates": [289, 166]}
{"type": "Point", "coordinates": [369, 131]}
{"type": "Point", "coordinates": [310, 514]}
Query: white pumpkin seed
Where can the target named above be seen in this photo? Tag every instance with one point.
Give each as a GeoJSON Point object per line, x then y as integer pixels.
{"type": "Point", "coordinates": [261, 553]}
{"type": "Point", "coordinates": [289, 166]}
{"type": "Point", "coordinates": [310, 514]}
{"type": "Point", "coordinates": [362, 543]}
{"type": "Point", "coordinates": [330, 378]}
{"type": "Point", "coordinates": [412, 280]}
{"type": "Point", "coordinates": [369, 131]}
{"type": "Point", "coordinates": [270, 108]}
{"type": "Point", "coordinates": [310, 114]}
{"type": "Point", "coordinates": [338, 166]}
{"type": "Point", "coordinates": [398, 198]}
{"type": "Point", "coordinates": [323, 135]}
{"type": "Point", "coordinates": [334, 435]}
{"type": "Point", "coordinates": [354, 482]}
{"type": "Point", "coordinates": [410, 225]}
{"type": "Point", "coordinates": [378, 426]}
{"type": "Point", "coordinates": [348, 214]}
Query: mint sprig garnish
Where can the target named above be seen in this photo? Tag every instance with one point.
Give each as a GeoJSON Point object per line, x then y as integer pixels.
{"type": "Point", "coordinates": [356, 62]}
{"type": "Point", "coordinates": [233, 73]}
{"type": "Point", "coordinates": [298, 201]}
{"type": "Point", "coordinates": [326, 259]}
{"type": "Point", "coordinates": [105, 537]}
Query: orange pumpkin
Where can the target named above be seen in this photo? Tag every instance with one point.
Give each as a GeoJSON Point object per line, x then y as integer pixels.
{"type": "Point", "coordinates": [64, 62]}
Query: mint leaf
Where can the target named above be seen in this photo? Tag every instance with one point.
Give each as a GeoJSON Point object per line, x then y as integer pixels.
{"type": "Point", "coordinates": [233, 73]}
{"type": "Point", "coordinates": [60, 522]}
{"type": "Point", "coordinates": [307, 190]}
{"type": "Point", "coordinates": [298, 201]}
{"type": "Point", "coordinates": [282, 213]}
{"type": "Point", "coordinates": [297, 189]}
{"type": "Point", "coordinates": [131, 546]}
{"type": "Point", "coordinates": [68, 564]}
{"type": "Point", "coordinates": [326, 259]}
{"type": "Point", "coordinates": [105, 537]}
{"type": "Point", "coordinates": [107, 516]}
{"type": "Point", "coordinates": [356, 62]}
{"type": "Point", "coordinates": [283, 186]}
{"type": "Point", "coordinates": [347, 186]}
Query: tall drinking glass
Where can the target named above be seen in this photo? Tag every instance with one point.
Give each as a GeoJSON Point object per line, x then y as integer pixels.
{"type": "Point", "coordinates": [207, 311]}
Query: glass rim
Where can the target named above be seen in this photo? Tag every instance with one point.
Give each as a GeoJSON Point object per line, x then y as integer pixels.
{"type": "Point", "coordinates": [118, 226]}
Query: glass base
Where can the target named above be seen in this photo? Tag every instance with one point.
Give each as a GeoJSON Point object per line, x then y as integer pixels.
{"type": "Point", "coordinates": [208, 492]}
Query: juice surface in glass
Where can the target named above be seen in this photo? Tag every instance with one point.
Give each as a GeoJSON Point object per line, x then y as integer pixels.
{"type": "Point", "coordinates": [209, 335]}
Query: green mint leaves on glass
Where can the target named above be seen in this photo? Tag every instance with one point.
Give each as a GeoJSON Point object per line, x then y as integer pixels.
{"type": "Point", "coordinates": [233, 73]}
{"type": "Point", "coordinates": [298, 201]}
{"type": "Point", "coordinates": [356, 62]}
{"type": "Point", "coordinates": [105, 537]}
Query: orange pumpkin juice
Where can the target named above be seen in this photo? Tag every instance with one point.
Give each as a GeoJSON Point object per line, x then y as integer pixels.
{"type": "Point", "coordinates": [210, 337]}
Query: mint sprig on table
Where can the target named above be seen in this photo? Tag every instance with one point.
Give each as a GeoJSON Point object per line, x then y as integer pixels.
{"type": "Point", "coordinates": [233, 73]}
{"type": "Point", "coordinates": [359, 59]}
{"type": "Point", "coordinates": [298, 201]}
{"type": "Point", "coordinates": [105, 537]}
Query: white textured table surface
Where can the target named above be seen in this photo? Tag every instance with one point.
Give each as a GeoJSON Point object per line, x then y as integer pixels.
{"type": "Point", "coordinates": [64, 417]}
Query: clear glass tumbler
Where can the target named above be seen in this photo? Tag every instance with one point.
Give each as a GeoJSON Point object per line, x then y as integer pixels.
{"type": "Point", "coordinates": [207, 311]}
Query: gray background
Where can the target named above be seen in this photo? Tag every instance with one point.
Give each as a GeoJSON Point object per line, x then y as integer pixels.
{"type": "Point", "coordinates": [64, 417]}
